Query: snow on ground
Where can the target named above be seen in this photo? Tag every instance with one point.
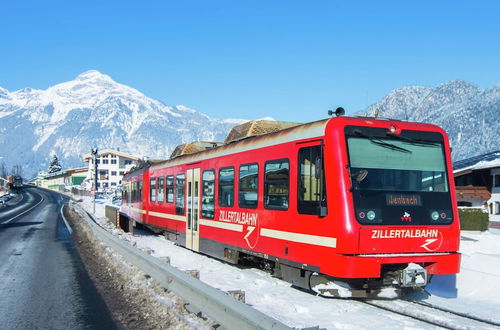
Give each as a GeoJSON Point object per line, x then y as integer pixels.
{"type": "Point", "coordinates": [478, 283]}
{"type": "Point", "coordinates": [476, 292]}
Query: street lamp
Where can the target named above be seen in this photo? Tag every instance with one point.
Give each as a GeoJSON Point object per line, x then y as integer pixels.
{"type": "Point", "coordinates": [94, 158]}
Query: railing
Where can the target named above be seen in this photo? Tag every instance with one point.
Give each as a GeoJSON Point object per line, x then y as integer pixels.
{"type": "Point", "coordinates": [216, 304]}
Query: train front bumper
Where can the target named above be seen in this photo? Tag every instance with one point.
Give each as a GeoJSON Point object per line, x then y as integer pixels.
{"type": "Point", "coordinates": [371, 265]}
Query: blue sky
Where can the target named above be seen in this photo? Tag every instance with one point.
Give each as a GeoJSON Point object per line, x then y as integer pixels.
{"type": "Point", "coordinates": [291, 60]}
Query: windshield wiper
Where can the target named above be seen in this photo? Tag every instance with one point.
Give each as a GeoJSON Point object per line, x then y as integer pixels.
{"type": "Point", "coordinates": [412, 141]}
{"type": "Point", "coordinates": [380, 142]}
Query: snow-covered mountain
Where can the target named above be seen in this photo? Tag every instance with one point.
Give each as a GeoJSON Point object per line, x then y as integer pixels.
{"type": "Point", "coordinates": [68, 119]}
{"type": "Point", "coordinates": [469, 115]}
{"type": "Point", "coordinates": [93, 110]}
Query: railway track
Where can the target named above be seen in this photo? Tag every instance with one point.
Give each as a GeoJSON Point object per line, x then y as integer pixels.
{"type": "Point", "coordinates": [433, 315]}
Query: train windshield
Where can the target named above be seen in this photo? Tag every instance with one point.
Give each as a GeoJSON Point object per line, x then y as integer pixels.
{"type": "Point", "coordinates": [398, 179]}
{"type": "Point", "coordinates": [397, 165]}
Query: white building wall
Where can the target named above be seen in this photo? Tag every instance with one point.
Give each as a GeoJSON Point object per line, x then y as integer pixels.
{"type": "Point", "coordinates": [494, 201]}
{"type": "Point", "coordinates": [110, 168]}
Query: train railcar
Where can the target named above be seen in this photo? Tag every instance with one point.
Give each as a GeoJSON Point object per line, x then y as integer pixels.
{"type": "Point", "coordinates": [17, 182]}
{"type": "Point", "coordinates": [344, 206]}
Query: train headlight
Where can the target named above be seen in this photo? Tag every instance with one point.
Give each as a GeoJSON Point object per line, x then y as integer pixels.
{"type": "Point", "coordinates": [435, 215]}
{"type": "Point", "coordinates": [370, 215]}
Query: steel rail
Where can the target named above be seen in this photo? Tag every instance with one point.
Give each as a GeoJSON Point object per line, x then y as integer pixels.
{"type": "Point", "coordinates": [446, 319]}
{"type": "Point", "coordinates": [467, 316]}
{"type": "Point", "coordinates": [216, 304]}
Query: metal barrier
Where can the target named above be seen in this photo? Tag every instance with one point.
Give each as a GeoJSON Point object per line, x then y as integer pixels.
{"type": "Point", "coordinates": [216, 304]}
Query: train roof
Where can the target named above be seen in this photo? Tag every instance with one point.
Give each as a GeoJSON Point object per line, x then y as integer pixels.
{"type": "Point", "coordinates": [291, 133]}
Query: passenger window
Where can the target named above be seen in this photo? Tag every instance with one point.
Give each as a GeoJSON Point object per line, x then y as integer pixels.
{"type": "Point", "coordinates": [170, 189]}
{"type": "Point", "coordinates": [248, 186]}
{"type": "Point", "coordinates": [226, 186]}
{"type": "Point", "coordinates": [310, 187]}
{"type": "Point", "coordinates": [139, 198]}
{"type": "Point", "coordinates": [161, 191]}
{"type": "Point", "coordinates": [152, 189]}
{"type": "Point", "coordinates": [179, 194]}
{"type": "Point", "coordinates": [208, 194]}
{"type": "Point", "coordinates": [276, 184]}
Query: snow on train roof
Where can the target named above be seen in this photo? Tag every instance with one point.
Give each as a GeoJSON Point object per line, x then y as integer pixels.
{"type": "Point", "coordinates": [302, 131]}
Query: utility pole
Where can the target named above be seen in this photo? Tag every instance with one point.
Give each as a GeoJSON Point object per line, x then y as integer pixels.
{"type": "Point", "coordinates": [94, 158]}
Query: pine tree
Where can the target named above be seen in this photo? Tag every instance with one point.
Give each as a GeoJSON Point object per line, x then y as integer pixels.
{"type": "Point", "coordinates": [54, 166]}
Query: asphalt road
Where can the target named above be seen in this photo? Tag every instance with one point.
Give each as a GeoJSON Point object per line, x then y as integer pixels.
{"type": "Point", "coordinates": [43, 283]}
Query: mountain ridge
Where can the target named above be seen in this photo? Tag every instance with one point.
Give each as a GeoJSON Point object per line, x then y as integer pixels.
{"type": "Point", "coordinates": [468, 114]}
{"type": "Point", "coordinates": [69, 118]}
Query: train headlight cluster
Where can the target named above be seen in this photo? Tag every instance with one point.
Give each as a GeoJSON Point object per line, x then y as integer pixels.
{"type": "Point", "coordinates": [441, 216]}
{"type": "Point", "coordinates": [369, 215]}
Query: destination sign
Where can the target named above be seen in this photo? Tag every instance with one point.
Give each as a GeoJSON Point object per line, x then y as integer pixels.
{"type": "Point", "coordinates": [403, 200]}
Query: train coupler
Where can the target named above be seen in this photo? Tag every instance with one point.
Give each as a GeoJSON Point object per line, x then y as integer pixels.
{"type": "Point", "coordinates": [413, 276]}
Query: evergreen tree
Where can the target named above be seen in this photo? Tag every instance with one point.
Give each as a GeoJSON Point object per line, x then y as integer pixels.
{"type": "Point", "coordinates": [54, 166]}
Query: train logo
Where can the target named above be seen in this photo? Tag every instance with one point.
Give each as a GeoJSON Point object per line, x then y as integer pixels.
{"type": "Point", "coordinates": [251, 235]}
{"type": "Point", "coordinates": [406, 217]}
{"type": "Point", "coordinates": [249, 221]}
{"type": "Point", "coordinates": [432, 244]}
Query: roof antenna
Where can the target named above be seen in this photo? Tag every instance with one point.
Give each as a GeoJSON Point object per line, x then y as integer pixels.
{"type": "Point", "coordinates": [338, 112]}
{"type": "Point", "coordinates": [376, 112]}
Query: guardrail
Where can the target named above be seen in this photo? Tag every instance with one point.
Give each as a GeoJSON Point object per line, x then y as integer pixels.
{"type": "Point", "coordinates": [216, 304]}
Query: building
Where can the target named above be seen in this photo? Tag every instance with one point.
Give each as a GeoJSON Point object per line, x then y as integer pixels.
{"type": "Point", "coordinates": [111, 166]}
{"type": "Point", "coordinates": [477, 182]}
{"type": "Point", "coordinates": [70, 177]}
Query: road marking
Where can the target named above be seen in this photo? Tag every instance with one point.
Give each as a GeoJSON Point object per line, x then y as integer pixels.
{"type": "Point", "coordinates": [66, 221]}
{"type": "Point", "coordinates": [31, 208]}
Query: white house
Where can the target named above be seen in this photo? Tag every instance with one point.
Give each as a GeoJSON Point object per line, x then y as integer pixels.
{"type": "Point", "coordinates": [111, 166]}
{"type": "Point", "coordinates": [477, 182]}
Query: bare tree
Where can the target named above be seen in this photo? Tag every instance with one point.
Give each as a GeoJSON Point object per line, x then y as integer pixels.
{"type": "Point", "coordinates": [17, 170]}
{"type": "Point", "coordinates": [3, 170]}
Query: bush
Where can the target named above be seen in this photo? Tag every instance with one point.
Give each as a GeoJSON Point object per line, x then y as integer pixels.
{"type": "Point", "coordinates": [473, 219]}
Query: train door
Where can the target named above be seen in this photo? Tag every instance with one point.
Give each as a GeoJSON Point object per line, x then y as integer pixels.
{"type": "Point", "coordinates": [193, 207]}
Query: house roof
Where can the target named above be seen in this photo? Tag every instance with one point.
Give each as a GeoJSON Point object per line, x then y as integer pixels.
{"type": "Point", "coordinates": [77, 170]}
{"type": "Point", "coordinates": [473, 192]}
{"type": "Point", "coordinates": [485, 161]}
{"type": "Point", "coordinates": [86, 157]}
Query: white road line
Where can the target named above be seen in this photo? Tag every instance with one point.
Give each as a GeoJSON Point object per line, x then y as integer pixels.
{"type": "Point", "coordinates": [66, 221]}
{"type": "Point", "coordinates": [17, 216]}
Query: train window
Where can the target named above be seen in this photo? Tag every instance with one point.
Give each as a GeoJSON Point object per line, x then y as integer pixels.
{"type": "Point", "coordinates": [139, 198]}
{"type": "Point", "coordinates": [248, 186]}
{"type": "Point", "coordinates": [208, 194]}
{"type": "Point", "coordinates": [170, 189]}
{"type": "Point", "coordinates": [226, 186]}
{"type": "Point", "coordinates": [310, 183]}
{"type": "Point", "coordinates": [152, 189]}
{"type": "Point", "coordinates": [180, 191]}
{"type": "Point", "coordinates": [276, 184]}
{"type": "Point", "coordinates": [161, 191]}
{"type": "Point", "coordinates": [135, 191]}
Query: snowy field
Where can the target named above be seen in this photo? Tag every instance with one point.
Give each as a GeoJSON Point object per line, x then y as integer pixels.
{"type": "Point", "coordinates": [474, 291]}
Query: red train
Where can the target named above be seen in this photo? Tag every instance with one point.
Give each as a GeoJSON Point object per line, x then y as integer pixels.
{"type": "Point", "coordinates": [343, 206]}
